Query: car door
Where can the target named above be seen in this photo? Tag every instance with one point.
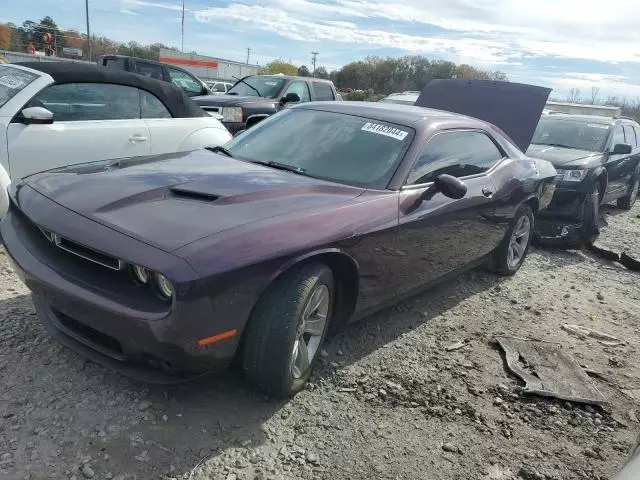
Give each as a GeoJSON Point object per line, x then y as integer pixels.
{"type": "Point", "coordinates": [91, 121]}
{"type": "Point", "coordinates": [442, 235]}
{"type": "Point", "coordinates": [301, 89]}
{"type": "Point", "coordinates": [188, 83]}
{"type": "Point", "coordinates": [615, 164]}
{"type": "Point", "coordinates": [628, 165]}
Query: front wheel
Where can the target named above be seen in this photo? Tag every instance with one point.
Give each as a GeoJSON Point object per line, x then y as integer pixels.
{"type": "Point", "coordinates": [630, 198]}
{"type": "Point", "coordinates": [287, 328]}
{"type": "Point", "coordinates": [590, 222]}
{"type": "Point", "coordinates": [510, 255]}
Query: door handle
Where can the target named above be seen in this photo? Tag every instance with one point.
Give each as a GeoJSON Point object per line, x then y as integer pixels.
{"type": "Point", "coordinates": [137, 138]}
{"type": "Point", "coordinates": [487, 192]}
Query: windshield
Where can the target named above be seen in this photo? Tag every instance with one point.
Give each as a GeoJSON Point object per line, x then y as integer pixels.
{"type": "Point", "coordinates": [328, 145]}
{"type": "Point", "coordinates": [258, 87]}
{"type": "Point", "coordinates": [582, 135]}
{"type": "Point", "coordinates": [12, 80]}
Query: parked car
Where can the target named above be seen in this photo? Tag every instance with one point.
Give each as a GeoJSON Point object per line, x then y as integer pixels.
{"type": "Point", "coordinates": [598, 159]}
{"type": "Point", "coordinates": [404, 98]}
{"type": "Point", "coordinates": [254, 98]}
{"type": "Point", "coordinates": [324, 212]}
{"type": "Point", "coordinates": [189, 83]}
{"type": "Point", "coordinates": [219, 88]}
{"type": "Point", "coordinates": [54, 114]}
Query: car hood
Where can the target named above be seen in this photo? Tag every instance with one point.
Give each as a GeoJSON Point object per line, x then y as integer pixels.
{"type": "Point", "coordinates": [560, 156]}
{"type": "Point", "coordinates": [171, 200]}
{"type": "Point", "coordinates": [228, 100]}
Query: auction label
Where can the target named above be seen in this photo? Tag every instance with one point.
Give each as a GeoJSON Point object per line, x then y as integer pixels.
{"type": "Point", "coordinates": [13, 81]}
{"type": "Point", "coordinates": [385, 130]}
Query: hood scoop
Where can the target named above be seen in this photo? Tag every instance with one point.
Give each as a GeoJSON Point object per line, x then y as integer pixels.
{"type": "Point", "coordinates": [192, 195]}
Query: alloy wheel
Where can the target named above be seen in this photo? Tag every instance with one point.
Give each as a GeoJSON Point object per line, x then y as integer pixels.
{"type": "Point", "coordinates": [310, 331]}
{"type": "Point", "coordinates": [519, 241]}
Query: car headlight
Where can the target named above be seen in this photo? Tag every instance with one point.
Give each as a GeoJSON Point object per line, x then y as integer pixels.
{"type": "Point", "coordinates": [572, 175]}
{"type": "Point", "coordinates": [231, 114]}
{"type": "Point", "coordinates": [164, 286]}
{"type": "Point", "coordinates": [140, 274]}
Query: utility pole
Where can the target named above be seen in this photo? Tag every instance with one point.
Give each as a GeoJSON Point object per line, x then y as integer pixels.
{"type": "Point", "coordinates": [313, 61]}
{"type": "Point", "coordinates": [248, 52]}
{"type": "Point", "coordinates": [86, 4]}
{"type": "Point", "coordinates": [182, 27]}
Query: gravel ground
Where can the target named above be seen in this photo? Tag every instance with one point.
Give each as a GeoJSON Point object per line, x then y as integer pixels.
{"type": "Point", "coordinates": [388, 400]}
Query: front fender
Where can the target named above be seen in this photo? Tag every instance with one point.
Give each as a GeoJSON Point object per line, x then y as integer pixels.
{"type": "Point", "coordinates": [5, 182]}
{"type": "Point", "coordinates": [205, 137]}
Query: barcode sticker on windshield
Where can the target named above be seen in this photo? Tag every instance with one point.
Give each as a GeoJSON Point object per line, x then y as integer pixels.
{"type": "Point", "coordinates": [13, 81]}
{"type": "Point", "coordinates": [598, 125]}
{"type": "Point", "coordinates": [385, 130]}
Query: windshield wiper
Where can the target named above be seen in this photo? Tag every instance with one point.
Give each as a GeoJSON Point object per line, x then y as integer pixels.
{"type": "Point", "coordinates": [281, 166]}
{"type": "Point", "coordinates": [248, 85]}
{"type": "Point", "coordinates": [220, 149]}
{"type": "Point", "coordinates": [556, 145]}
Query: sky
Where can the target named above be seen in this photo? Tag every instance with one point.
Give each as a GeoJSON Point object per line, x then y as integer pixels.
{"type": "Point", "coordinates": [562, 44]}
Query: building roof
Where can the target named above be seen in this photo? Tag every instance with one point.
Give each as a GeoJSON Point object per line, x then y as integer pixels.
{"type": "Point", "coordinates": [173, 97]}
{"type": "Point", "coordinates": [583, 105]}
{"type": "Point", "coordinates": [590, 118]}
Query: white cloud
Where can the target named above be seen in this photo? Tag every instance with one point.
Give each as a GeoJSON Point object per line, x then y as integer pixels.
{"type": "Point", "coordinates": [608, 84]}
{"type": "Point", "coordinates": [128, 12]}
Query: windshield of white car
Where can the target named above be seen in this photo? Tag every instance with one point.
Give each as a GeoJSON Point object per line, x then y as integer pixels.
{"type": "Point", "coordinates": [328, 145]}
{"type": "Point", "coordinates": [257, 86]}
{"type": "Point", "coordinates": [12, 80]}
{"type": "Point", "coordinates": [581, 135]}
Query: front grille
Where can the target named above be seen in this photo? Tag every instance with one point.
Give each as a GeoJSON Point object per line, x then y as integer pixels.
{"type": "Point", "coordinates": [81, 251]}
{"type": "Point", "coordinates": [88, 334]}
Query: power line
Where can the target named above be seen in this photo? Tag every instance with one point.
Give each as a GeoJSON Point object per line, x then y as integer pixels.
{"type": "Point", "coordinates": [313, 61]}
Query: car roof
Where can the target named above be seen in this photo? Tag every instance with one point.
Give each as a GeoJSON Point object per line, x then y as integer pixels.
{"type": "Point", "coordinates": [582, 118]}
{"type": "Point", "coordinates": [172, 96]}
{"type": "Point", "coordinates": [292, 77]}
{"type": "Point", "coordinates": [407, 115]}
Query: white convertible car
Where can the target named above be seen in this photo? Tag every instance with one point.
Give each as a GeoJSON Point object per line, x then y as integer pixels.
{"type": "Point", "coordinates": [54, 114]}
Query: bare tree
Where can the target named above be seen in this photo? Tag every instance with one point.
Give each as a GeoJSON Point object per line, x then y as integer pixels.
{"type": "Point", "coordinates": [574, 95]}
{"type": "Point", "coordinates": [594, 94]}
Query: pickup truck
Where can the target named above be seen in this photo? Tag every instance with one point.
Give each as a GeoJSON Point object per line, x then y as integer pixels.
{"type": "Point", "coordinates": [256, 97]}
{"type": "Point", "coordinates": [189, 83]}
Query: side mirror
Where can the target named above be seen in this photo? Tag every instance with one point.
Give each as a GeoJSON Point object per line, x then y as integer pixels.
{"type": "Point", "coordinates": [290, 98]}
{"type": "Point", "coordinates": [450, 186]}
{"type": "Point", "coordinates": [37, 116]}
{"type": "Point", "coordinates": [621, 149]}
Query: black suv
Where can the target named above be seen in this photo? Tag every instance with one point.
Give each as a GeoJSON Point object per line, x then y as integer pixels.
{"type": "Point", "coordinates": [189, 83]}
{"type": "Point", "coordinates": [597, 159]}
{"type": "Point", "coordinates": [256, 97]}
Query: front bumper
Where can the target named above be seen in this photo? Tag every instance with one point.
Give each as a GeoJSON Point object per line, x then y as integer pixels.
{"type": "Point", "coordinates": [564, 217]}
{"type": "Point", "coordinates": [148, 342]}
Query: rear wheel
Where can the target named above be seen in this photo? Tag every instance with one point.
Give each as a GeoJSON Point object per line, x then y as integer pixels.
{"type": "Point", "coordinates": [628, 200]}
{"type": "Point", "coordinates": [510, 255]}
{"type": "Point", "coordinates": [287, 328]}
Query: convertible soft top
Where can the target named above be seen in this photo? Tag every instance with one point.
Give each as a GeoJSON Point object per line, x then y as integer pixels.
{"type": "Point", "coordinates": [179, 104]}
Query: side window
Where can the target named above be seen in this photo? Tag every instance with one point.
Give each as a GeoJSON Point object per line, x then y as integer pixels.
{"type": "Point", "coordinates": [457, 153]}
{"type": "Point", "coordinates": [152, 107]}
{"type": "Point", "coordinates": [630, 136]}
{"type": "Point", "coordinates": [185, 81]}
{"type": "Point", "coordinates": [75, 102]}
{"type": "Point", "coordinates": [118, 63]}
{"type": "Point", "coordinates": [635, 131]}
{"type": "Point", "coordinates": [219, 87]}
{"type": "Point", "coordinates": [323, 91]}
{"type": "Point", "coordinates": [149, 70]}
{"type": "Point", "coordinates": [301, 89]}
{"type": "Point", "coordinates": [617, 136]}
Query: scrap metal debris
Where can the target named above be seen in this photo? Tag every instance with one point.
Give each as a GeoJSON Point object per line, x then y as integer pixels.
{"type": "Point", "coordinates": [455, 346]}
{"type": "Point", "coordinates": [584, 332]}
{"type": "Point", "coordinates": [548, 371]}
{"type": "Point", "coordinates": [622, 258]}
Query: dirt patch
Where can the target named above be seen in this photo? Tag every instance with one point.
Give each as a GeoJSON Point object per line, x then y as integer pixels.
{"type": "Point", "coordinates": [388, 400]}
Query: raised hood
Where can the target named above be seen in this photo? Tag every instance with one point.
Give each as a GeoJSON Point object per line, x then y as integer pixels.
{"type": "Point", "coordinates": [171, 200]}
{"type": "Point", "coordinates": [560, 156]}
{"type": "Point", "coordinates": [515, 108]}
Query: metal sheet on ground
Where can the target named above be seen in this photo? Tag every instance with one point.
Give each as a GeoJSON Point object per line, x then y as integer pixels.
{"type": "Point", "coordinates": [548, 371]}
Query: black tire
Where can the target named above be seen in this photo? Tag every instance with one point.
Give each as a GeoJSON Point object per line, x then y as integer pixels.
{"type": "Point", "coordinates": [273, 329]}
{"type": "Point", "coordinates": [590, 223]}
{"type": "Point", "coordinates": [500, 258]}
{"type": "Point", "coordinates": [629, 199]}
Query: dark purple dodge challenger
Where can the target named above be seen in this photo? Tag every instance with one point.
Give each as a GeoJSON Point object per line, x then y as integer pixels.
{"type": "Point", "coordinates": [172, 265]}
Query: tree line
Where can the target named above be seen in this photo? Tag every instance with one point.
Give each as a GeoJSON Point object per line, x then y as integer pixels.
{"type": "Point", "coordinates": [628, 107]}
